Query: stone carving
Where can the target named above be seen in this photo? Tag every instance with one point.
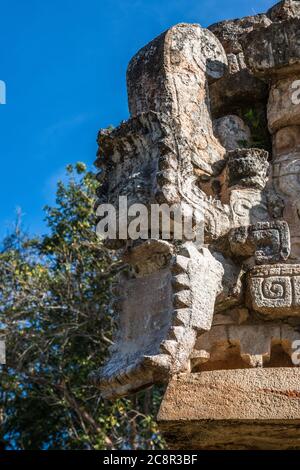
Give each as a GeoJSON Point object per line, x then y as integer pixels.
{"type": "Point", "coordinates": [285, 179]}
{"type": "Point", "coordinates": [233, 301]}
{"type": "Point", "coordinates": [274, 290]}
{"type": "Point", "coordinates": [278, 59]}
{"type": "Point", "coordinates": [268, 242]}
{"type": "Point", "coordinates": [168, 325]}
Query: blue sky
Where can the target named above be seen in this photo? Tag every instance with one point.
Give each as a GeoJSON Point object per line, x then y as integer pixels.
{"type": "Point", "coordinates": [64, 64]}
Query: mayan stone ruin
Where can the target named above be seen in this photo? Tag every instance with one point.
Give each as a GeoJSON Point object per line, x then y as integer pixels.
{"type": "Point", "coordinates": [215, 125]}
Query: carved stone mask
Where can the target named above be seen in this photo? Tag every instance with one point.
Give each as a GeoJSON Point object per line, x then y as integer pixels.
{"type": "Point", "coordinates": [213, 126]}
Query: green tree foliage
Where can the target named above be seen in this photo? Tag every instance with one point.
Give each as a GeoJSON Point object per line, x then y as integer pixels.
{"type": "Point", "coordinates": [56, 319]}
{"type": "Point", "coordinates": [257, 121]}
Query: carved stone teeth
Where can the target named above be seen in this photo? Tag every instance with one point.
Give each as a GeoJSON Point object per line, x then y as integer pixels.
{"type": "Point", "coordinates": [180, 264]}
{"type": "Point", "coordinates": [169, 347]}
{"type": "Point", "coordinates": [181, 317]}
{"type": "Point", "coordinates": [185, 251]}
{"type": "Point", "coordinates": [177, 333]}
{"type": "Point", "coordinates": [182, 299]}
{"type": "Point", "coordinates": [181, 282]}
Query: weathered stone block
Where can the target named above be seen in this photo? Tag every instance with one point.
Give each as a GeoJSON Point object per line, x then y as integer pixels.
{"type": "Point", "coordinates": [233, 409]}
{"type": "Point", "coordinates": [284, 10]}
{"type": "Point", "coordinates": [283, 108]}
{"type": "Point", "coordinates": [286, 141]}
{"type": "Point", "coordinates": [274, 51]}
